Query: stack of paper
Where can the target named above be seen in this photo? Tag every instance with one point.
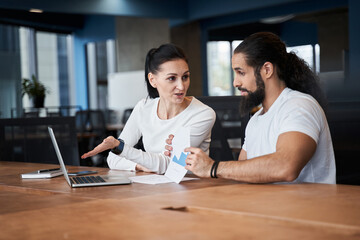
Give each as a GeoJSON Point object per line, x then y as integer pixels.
{"type": "Point", "coordinates": [36, 174]}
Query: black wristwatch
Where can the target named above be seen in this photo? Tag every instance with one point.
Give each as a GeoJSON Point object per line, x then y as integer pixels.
{"type": "Point", "coordinates": [118, 150]}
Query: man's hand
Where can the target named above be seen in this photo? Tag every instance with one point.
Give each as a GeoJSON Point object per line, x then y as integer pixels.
{"type": "Point", "coordinates": [198, 162]}
{"type": "Point", "coordinates": [168, 147]}
{"type": "Point", "coordinates": [108, 143]}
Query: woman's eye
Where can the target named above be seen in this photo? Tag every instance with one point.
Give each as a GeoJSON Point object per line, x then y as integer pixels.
{"type": "Point", "coordinates": [172, 78]}
{"type": "Point", "coordinates": [241, 73]}
{"type": "Point", "coordinates": [185, 77]}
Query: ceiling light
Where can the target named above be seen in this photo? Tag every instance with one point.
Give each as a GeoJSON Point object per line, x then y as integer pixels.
{"type": "Point", "coordinates": [278, 19]}
{"type": "Point", "coordinates": [34, 10]}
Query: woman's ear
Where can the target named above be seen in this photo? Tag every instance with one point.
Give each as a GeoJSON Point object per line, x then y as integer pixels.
{"type": "Point", "coordinates": [152, 81]}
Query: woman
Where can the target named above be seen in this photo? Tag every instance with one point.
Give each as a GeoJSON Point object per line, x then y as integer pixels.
{"type": "Point", "coordinates": [166, 109]}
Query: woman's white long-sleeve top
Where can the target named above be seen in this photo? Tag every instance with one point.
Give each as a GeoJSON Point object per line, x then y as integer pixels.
{"type": "Point", "coordinates": [145, 122]}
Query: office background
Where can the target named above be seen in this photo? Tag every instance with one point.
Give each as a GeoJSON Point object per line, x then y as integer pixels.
{"type": "Point", "coordinates": [132, 27]}
{"type": "Point", "coordinates": [73, 46]}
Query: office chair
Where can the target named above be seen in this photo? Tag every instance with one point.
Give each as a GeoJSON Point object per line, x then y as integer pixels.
{"type": "Point", "coordinates": [27, 140]}
{"type": "Point", "coordinates": [91, 128]}
{"type": "Point", "coordinates": [219, 149]}
{"type": "Point", "coordinates": [228, 125]}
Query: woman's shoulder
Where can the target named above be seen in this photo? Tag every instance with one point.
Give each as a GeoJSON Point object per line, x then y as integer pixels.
{"type": "Point", "coordinates": [146, 102]}
{"type": "Point", "coordinates": [144, 106]}
{"type": "Point", "coordinates": [199, 107]}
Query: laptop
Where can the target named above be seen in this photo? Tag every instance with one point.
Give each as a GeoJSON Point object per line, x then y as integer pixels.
{"type": "Point", "coordinates": [86, 181]}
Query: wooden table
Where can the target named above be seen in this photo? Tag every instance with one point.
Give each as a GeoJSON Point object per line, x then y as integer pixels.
{"type": "Point", "coordinates": [199, 209]}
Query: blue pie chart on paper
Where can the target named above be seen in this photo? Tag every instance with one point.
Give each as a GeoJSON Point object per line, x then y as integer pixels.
{"type": "Point", "coordinates": [181, 160]}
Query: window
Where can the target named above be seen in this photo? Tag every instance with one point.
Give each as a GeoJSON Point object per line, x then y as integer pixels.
{"type": "Point", "coordinates": [310, 53]}
{"type": "Point", "coordinates": [100, 62]}
{"type": "Point", "coordinates": [220, 74]}
{"type": "Point", "coordinates": [45, 54]}
{"type": "Point", "coordinates": [10, 76]}
{"type": "Point", "coordinates": [219, 68]}
{"type": "Point", "coordinates": [52, 66]}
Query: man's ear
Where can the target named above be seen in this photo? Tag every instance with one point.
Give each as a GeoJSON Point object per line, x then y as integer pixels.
{"type": "Point", "coordinates": [267, 70]}
{"type": "Point", "coordinates": [151, 78]}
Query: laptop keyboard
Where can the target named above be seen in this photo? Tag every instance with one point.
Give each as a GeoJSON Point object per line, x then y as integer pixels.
{"type": "Point", "coordinates": [87, 179]}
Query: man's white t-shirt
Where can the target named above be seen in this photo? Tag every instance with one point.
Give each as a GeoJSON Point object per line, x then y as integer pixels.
{"type": "Point", "coordinates": [144, 121]}
{"type": "Point", "coordinates": [294, 111]}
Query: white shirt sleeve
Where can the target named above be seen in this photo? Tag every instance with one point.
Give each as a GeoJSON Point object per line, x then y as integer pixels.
{"type": "Point", "coordinates": [200, 123]}
{"type": "Point", "coordinates": [155, 162]}
{"type": "Point", "coordinates": [131, 156]}
{"type": "Point", "coordinates": [200, 129]}
{"type": "Point", "coordinates": [302, 116]}
{"type": "Point", "coordinates": [116, 162]}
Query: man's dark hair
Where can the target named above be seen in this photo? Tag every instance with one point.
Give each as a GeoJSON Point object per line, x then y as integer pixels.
{"type": "Point", "coordinates": [157, 56]}
{"type": "Point", "coordinates": [264, 47]}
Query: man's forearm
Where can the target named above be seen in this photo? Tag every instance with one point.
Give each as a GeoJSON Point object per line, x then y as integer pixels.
{"type": "Point", "coordinates": [264, 169]}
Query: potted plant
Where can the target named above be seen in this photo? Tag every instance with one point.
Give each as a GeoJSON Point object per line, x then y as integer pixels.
{"type": "Point", "coordinates": [35, 90]}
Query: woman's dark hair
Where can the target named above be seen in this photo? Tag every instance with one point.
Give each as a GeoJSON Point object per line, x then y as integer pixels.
{"type": "Point", "coordinates": [157, 56]}
{"type": "Point", "coordinates": [264, 47]}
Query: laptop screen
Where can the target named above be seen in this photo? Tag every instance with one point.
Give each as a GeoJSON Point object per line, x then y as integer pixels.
{"type": "Point", "coordinates": [58, 154]}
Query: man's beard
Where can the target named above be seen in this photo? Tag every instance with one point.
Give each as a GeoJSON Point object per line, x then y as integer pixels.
{"type": "Point", "coordinates": [253, 99]}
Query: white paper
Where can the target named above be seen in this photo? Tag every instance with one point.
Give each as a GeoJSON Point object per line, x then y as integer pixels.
{"type": "Point", "coordinates": [176, 169]}
{"type": "Point", "coordinates": [155, 179]}
{"type": "Point", "coordinates": [175, 172]}
{"type": "Point", "coordinates": [180, 141]}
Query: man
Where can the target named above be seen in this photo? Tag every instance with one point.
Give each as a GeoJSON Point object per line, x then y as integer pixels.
{"type": "Point", "coordinates": [288, 139]}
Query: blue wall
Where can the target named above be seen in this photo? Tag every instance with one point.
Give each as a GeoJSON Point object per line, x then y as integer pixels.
{"type": "Point", "coordinates": [96, 29]}
{"type": "Point", "coordinates": [292, 33]}
{"type": "Point", "coordinates": [354, 42]}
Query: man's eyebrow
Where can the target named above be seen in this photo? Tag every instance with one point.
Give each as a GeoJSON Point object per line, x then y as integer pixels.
{"type": "Point", "coordinates": [238, 68]}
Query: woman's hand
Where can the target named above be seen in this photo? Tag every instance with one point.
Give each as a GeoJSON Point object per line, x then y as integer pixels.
{"type": "Point", "coordinates": [108, 143]}
{"type": "Point", "coordinates": [140, 168]}
{"type": "Point", "coordinates": [168, 147]}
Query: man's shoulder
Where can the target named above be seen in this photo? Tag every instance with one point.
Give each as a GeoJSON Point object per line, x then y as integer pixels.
{"type": "Point", "coordinates": [299, 105]}
{"type": "Point", "coordinates": [298, 99]}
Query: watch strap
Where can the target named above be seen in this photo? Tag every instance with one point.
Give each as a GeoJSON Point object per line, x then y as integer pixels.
{"type": "Point", "coordinates": [118, 150]}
